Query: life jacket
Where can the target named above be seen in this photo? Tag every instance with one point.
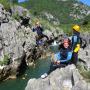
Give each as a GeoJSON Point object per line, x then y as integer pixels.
{"type": "Point", "coordinates": [75, 40]}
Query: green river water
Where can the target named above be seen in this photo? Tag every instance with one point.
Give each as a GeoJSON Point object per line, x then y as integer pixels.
{"type": "Point", "coordinates": [41, 67]}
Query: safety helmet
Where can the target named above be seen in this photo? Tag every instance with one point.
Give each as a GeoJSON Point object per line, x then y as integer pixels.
{"type": "Point", "coordinates": [76, 28]}
{"type": "Point", "coordinates": [37, 22]}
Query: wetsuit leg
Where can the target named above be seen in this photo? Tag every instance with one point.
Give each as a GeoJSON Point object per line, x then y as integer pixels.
{"type": "Point", "coordinates": [52, 68]}
{"type": "Point", "coordinates": [75, 58]}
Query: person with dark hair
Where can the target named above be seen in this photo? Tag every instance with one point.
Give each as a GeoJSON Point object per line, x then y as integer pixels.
{"type": "Point", "coordinates": [62, 58]}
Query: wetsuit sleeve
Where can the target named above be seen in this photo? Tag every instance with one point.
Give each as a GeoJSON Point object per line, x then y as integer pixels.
{"type": "Point", "coordinates": [41, 29]}
{"type": "Point", "coordinates": [33, 29]}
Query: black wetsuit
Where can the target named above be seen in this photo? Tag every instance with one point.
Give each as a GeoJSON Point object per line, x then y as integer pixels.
{"type": "Point", "coordinates": [40, 34]}
{"type": "Point", "coordinates": [63, 54]}
{"type": "Point", "coordinates": [74, 44]}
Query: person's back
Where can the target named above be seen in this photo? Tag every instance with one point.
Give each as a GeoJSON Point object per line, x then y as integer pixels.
{"type": "Point", "coordinates": [76, 42]}
{"type": "Point", "coordinates": [75, 39]}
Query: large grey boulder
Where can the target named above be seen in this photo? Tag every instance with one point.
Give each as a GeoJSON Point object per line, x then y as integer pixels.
{"type": "Point", "coordinates": [12, 39]}
{"type": "Point", "coordinates": [84, 53]}
{"type": "Point", "coordinates": [11, 44]}
{"type": "Point", "coordinates": [21, 11]}
{"type": "Point", "coordinates": [67, 78]}
{"type": "Point", "coordinates": [17, 43]}
{"type": "Point", "coordinates": [84, 56]}
{"type": "Point", "coordinates": [21, 14]}
{"type": "Point", "coordinates": [4, 16]}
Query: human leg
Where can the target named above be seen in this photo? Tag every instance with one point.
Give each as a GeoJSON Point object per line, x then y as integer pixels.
{"type": "Point", "coordinates": [75, 58]}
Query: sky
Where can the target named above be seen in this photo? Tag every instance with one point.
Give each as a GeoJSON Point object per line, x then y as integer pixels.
{"type": "Point", "coordinates": [87, 2]}
{"type": "Point", "coordinates": [21, 0]}
{"type": "Point", "coordinates": [84, 1]}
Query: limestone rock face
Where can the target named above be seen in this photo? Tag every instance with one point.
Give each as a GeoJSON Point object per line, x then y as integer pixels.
{"type": "Point", "coordinates": [84, 54]}
{"type": "Point", "coordinates": [4, 16]}
{"type": "Point", "coordinates": [17, 40]}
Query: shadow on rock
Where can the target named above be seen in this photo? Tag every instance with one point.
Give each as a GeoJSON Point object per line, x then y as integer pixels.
{"type": "Point", "coordinates": [22, 67]}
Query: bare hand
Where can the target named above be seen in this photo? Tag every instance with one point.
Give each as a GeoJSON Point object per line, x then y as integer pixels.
{"type": "Point", "coordinates": [58, 62]}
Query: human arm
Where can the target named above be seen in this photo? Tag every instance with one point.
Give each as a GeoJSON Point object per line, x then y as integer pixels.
{"type": "Point", "coordinates": [33, 29]}
{"type": "Point", "coordinates": [41, 28]}
{"type": "Point", "coordinates": [77, 48]}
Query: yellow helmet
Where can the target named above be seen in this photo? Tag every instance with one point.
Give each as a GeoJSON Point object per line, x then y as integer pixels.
{"type": "Point", "coordinates": [76, 28]}
{"type": "Point", "coordinates": [37, 22]}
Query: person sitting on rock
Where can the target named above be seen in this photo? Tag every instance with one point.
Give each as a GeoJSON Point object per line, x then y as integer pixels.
{"type": "Point", "coordinates": [61, 56]}
{"type": "Point", "coordinates": [60, 59]}
{"type": "Point", "coordinates": [39, 31]}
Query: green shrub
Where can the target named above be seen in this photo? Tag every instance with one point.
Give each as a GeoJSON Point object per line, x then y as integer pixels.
{"type": "Point", "coordinates": [58, 9]}
{"type": "Point", "coordinates": [5, 60]}
{"type": "Point", "coordinates": [6, 4]}
{"type": "Point", "coordinates": [24, 13]}
{"type": "Point", "coordinates": [16, 16]}
{"type": "Point", "coordinates": [85, 27]}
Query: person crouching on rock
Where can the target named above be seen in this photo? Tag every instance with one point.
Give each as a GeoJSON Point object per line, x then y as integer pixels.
{"type": "Point", "coordinates": [60, 58]}
{"type": "Point", "coordinates": [39, 31]}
